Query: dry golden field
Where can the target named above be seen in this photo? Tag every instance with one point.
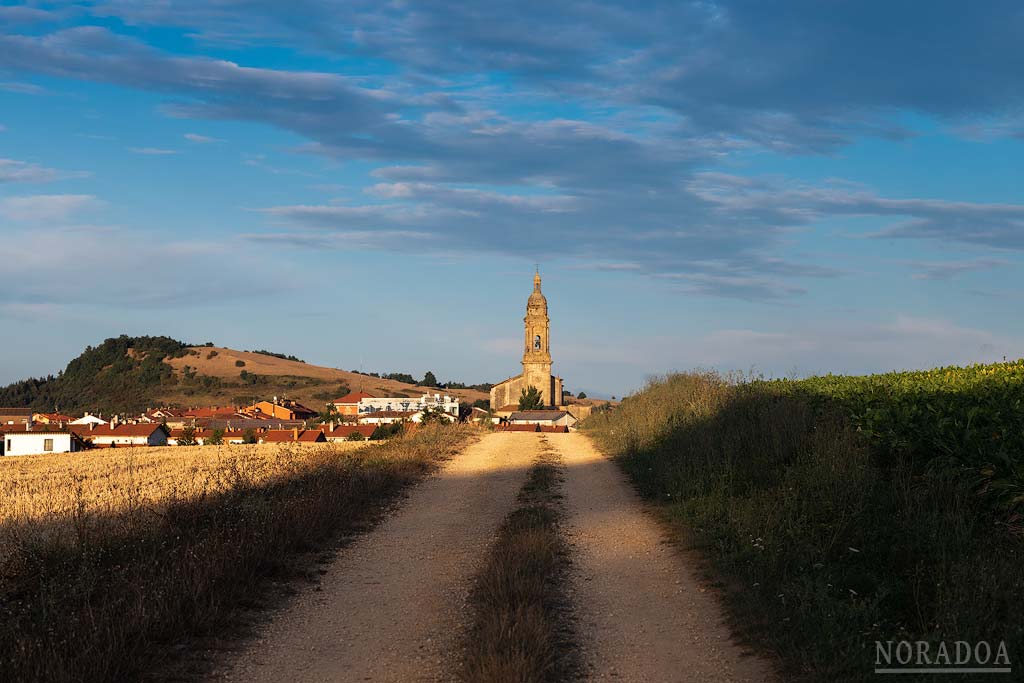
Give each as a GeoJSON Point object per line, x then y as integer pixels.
{"type": "Point", "coordinates": [111, 559]}
{"type": "Point", "coordinates": [52, 488]}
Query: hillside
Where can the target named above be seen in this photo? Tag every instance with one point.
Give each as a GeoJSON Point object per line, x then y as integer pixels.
{"type": "Point", "coordinates": [131, 374]}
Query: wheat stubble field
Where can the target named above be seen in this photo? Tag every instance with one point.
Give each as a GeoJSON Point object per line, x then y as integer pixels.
{"type": "Point", "coordinates": [56, 490]}
{"type": "Point", "coordinates": [109, 560]}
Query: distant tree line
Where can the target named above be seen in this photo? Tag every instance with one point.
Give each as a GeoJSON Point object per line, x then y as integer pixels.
{"type": "Point", "coordinates": [263, 352]}
{"type": "Point", "coordinates": [429, 380]}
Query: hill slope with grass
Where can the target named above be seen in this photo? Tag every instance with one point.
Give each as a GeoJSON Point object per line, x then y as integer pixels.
{"type": "Point", "coordinates": [131, 374]}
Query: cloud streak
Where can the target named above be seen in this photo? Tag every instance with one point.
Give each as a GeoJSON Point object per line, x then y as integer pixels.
{"type": "Point", "coordinates": [643, 104]}
{"type": "Point", "coordinates": [15, 171]}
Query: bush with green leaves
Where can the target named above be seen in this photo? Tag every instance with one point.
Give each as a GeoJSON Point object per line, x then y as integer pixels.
{"type": "Point", "coordinates": [530, 398]}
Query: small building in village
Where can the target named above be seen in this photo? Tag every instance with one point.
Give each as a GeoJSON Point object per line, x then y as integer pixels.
{"type": "Point", "coordinates": [439, 402]}
{"type": "Point", "coordinates": [111, 435]}
{"type": "Point", "coordinates": [89, 419]}
{"type": "Point", "coordinates": [51, 418]}
{"type": "Point", "coordinates": [36, 439]}
{"type": "Point", "coordinates": [546, 418]}
{"type": "Point", "coordinates": [388, 417]}
{"type": "Point", "coordinates": [15, 416]}
{"type": "Point", "coordinates": [292, 436]}
{"type": "Point", "coordinates": [283, 409]}
{"type": "Point", "coordinates": [344, 432]}
{"type": "Point", "coordinates": [349, 403]}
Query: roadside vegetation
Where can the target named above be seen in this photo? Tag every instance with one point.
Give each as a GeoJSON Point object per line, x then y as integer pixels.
{"type": "Point", "coordinates": [840, 511]}
{"type": "Point", "coordinates": [109, 560]}
{"type": "Point", "coordinates": [522, 631]}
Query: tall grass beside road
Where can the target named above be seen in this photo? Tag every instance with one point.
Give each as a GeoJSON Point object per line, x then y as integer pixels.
{"type": "Point", "coordinates": [108, 560]}
{"type": "Point", "coordinates": [823, 543]}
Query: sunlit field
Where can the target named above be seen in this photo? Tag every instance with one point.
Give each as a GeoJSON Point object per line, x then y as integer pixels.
{"type": "Point", "coordinates": [110, 558]}
{"type": "Point", "coordinates": [53, 488]}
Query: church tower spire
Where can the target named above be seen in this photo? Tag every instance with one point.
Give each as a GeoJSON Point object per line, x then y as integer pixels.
{"type": "Point", "coordinates": [536, 357]}
{"type": "Point", "coordinates": [537, 347]}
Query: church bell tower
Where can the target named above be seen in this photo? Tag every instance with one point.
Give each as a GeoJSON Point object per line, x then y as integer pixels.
{"type": "Point", "coordinates": [537, 349]}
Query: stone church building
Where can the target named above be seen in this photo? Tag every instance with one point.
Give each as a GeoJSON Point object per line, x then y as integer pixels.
{"type": "Point", "coordinates": [536, 359]}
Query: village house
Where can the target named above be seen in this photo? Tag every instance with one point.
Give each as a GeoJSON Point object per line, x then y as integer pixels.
{"type": "Point", "coordinates": [89, 419]}
{"type": "Point", "coordinates": [292, 436]}
{"type": "Point", "coordinates": [210, 413]}
{"type": "Point", "coordinates": [203, 436]}
{"type": "Point", "coordinates": [111, 435]}
{"type": "Point", "coordinates": [283, 409]}
{"type": "Point", "coordinates": [445, 403]}
{"type": "Point", "coordinates": [548, 418]}
{"type": "Point", "coordinates": [387, 417]}
{"type": "Point", "coordinates": [172, 417]}
{"type": "Point", "coordinates": [15, 416]}
{"type": "Point", "coordinates": [344, 432]}
{"type": "Point", "coordinates": [349, 403]}
{"type": "Point", "coordinates": [36, 439]}
{"type": "Point", "coordinates": [51, 418]}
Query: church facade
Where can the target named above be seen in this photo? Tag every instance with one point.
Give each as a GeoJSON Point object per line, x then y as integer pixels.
{"type": "Point", "coordinates": [536, 359]}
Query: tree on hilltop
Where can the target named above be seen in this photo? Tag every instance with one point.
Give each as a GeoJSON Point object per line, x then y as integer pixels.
{"type": "Point", "coordinates": [429, 380]}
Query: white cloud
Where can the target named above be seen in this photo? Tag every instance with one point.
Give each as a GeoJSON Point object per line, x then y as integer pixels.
{"type": "Point", "coordinates": [201, 139]}
{"type": "Point", "coordinates": [947, 270]}
{"type": "Point", "coordinates": [45, 207]}
{"type": "Point", "coordinates": [157, 151]}
{"type": "Point", "coordinates": [14, 171]}
{"type": "Point", "coordinates": [22, 88]}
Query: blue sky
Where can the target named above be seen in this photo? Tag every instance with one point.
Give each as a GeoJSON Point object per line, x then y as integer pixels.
{"type": "Point", "coordinates": [787, 188]}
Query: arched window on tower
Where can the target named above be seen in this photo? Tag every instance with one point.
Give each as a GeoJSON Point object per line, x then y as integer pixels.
{"type": "Point", "coordinates": [536, 342]}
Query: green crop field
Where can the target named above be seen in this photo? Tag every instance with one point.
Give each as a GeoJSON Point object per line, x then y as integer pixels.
{"type": "Point", "coordinates": [841, 511]}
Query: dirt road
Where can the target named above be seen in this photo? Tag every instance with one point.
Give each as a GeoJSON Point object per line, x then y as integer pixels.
{"type": "Point", "coordinates": [643, 615]}
{"type": "Point", "coordinates": [390, 608]}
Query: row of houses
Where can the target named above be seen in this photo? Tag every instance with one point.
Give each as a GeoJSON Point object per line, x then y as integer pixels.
{"type": "Point", "coordinates": [57, 438]}
{"type": "Point", "coordinates": [276, 421]}
{"type": "Point", "coordinates": [361, 403]}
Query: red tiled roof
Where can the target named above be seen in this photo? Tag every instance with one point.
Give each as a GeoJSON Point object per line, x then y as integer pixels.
{"type": "Point", "coordinates": [36, 429]}
{"type": "Point", "coordinates": [288, 436]}
{"type": "Point", "coordinates": [353, 397]}
{"type": "Point", "coordinates": [207, 433]}
{"type": "Point", "coordinates": [344, 431]}
{"type": "Point", "coordinates": [119, 430]}
{"type": "Point", "coordinates": [167, 412]}
{"type": "Point", "coordinates": [57, 417]}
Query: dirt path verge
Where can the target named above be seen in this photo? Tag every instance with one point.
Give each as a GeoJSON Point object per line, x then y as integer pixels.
{"type": "Point", "coordinates": [643, 614]}
{"type": "Point", "coordinates": [390, 608]}
{"type": "Point", "coordinates": [523, 628]}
